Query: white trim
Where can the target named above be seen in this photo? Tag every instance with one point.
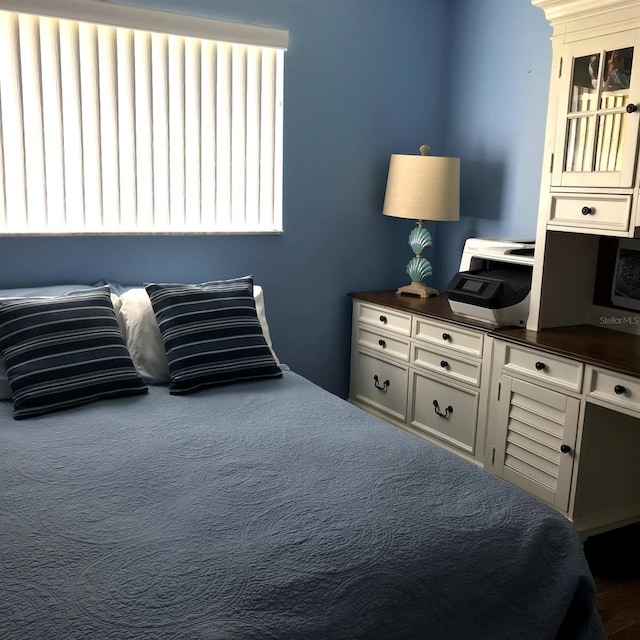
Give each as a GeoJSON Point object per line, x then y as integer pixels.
{"type": "Point", "coordinates": [558, 11]}
{"type": "Point", "coordinates": [100, 12]}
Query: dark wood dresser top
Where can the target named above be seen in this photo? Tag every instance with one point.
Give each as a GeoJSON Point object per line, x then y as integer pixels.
{"type": "Point", "coordinates": [598, 346]}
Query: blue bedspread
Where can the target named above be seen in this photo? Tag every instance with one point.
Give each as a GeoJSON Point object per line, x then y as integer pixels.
{"type": "Point", "coordinates": [269, 510]}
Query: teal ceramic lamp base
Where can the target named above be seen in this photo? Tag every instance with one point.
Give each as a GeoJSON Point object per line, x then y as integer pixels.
{"type": "Point", "coordinates": [419, 268]}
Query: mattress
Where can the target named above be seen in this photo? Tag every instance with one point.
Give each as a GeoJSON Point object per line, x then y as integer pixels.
{"type": "Point", "coordinates": [269, 509]}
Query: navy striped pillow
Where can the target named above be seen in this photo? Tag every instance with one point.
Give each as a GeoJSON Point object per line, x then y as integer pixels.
{"type": "Point", "coordinates": [211, 334]}
{"type": "Point", "coordinates": [64, 351]}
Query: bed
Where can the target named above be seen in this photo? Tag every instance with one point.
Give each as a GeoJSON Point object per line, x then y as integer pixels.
{"type": "Point", "coordinates": [269, 509]}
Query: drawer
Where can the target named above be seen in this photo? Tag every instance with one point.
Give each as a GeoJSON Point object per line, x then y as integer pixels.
{"type": "Point", "coordinates": [394, 321]}
{"type": "Point", "coordinates": [390, 346]}
{"type": "Point", "coordinates": [615, 389]}
{"type": "Point", "coordinates": [446, 364]}
{"type": "Point", "coordinates": [541, 366]}
{"type": "Point", "coordinates": [452, 420]}
{"type": "Point", "coordinates": [445, 335]}
{"type": "Point", "coordinates": [602, 211]}
{"type": "Point", "coordinates": [380, 384]}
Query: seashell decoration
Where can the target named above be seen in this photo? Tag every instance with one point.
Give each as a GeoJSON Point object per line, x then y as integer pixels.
{"type": "Point", "coordinates": [418, 269]}
{"type": "Point", "coordinates": [419, 240]}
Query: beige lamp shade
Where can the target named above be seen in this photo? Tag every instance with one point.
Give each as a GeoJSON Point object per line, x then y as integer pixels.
{"type": "Point", "coordinates": [423, 188]}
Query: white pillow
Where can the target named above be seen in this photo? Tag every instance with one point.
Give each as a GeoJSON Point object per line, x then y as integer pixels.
{"type": "Point", "coordinates": [144, 339]}
{"type": "Point", "coordinates": [46, 292]}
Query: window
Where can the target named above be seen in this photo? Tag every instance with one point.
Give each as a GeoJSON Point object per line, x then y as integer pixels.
{"type": "Point", "coordinates": [117, 119]}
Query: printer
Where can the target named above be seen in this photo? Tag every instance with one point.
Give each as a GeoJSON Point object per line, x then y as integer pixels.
{"type": "Point", "coordinates": [494, 281]}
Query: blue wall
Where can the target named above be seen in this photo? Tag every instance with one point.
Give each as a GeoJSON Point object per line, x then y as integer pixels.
{"type": "Point", "coordinates": [363, 79]}
{"type": "Point", "coordinates": [499, 74]}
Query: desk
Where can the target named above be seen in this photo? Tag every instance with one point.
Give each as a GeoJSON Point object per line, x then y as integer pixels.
{"type": "Point", "coordinates": [566, 407]}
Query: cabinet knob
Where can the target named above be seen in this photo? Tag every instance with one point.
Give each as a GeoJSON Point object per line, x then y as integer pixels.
{"type": "Point", "coordinates": [632, 108]}
{"type": "Point", "coordinates": [383, 319]}
{"type": "Point", "coordinates": [619, 389]}
{"type": "Point", "coordinates": [382, 343]}
{"type": "Point", "coordinates": [541, 366]}
{"type": "Point", "coordinates": [444, 364]}
{"type": "Point", "coordinates": [587, 211]}
{"type": "Point", "coordinates": [565, 448]}
{"type": "Point", "coordinates": [446, 336]}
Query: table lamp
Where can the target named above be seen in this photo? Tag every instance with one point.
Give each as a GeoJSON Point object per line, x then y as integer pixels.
{"type": "Point", "coordinates": [422, 188]}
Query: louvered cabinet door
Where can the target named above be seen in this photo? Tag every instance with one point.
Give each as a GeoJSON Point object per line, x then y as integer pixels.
{"type": "Point", "coordinates": [537, 428]}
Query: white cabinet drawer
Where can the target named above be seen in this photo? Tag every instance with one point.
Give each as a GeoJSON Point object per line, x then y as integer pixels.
{"type": "Point", "coordinates": [615, 389]}
{"type": "Point", "coordinates": [444, 335]}
{"type": "Point", "coordinates": [447, 364]}
{"type": "Point", "coordinates": [597, 211]}
{"type": "Point", "coordinates": [381, 384]}
{"type": "Point", "coordinates": [445, 412]}
{"type": "Point", "coordinates": [386, 345]}
{"type": "Point", "coordinates": [544, 367]}
{"type": "Point", "coordinates": [394, 321]}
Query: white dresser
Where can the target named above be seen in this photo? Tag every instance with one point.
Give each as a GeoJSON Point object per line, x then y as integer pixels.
{"type": "Point", "coordinates": [556, 413]}
{"type": "Point", "coordinates": [420, 371]}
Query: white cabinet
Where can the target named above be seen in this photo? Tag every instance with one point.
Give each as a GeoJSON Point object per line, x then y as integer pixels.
{"type": "Point", "coordinates": [535, 435]}
{"type": "Point", "coordinates": [593, 125]}
{"type": "Point", "coordinates": [421, 373]}
{"type": "Point", "coordinates": [532, 436]}
{"type": "Point", "coordinates": [590, 187]}
{"type": "Point", "coordinates": [566, 432]}
{"type": "Point", "coordinates": [597, 123]}
{"type": "Point", "coordinates": [562, 378]}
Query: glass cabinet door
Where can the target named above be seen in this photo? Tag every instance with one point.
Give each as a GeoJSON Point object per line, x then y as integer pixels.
{"type": "Point", "coordinates": [597, 135]}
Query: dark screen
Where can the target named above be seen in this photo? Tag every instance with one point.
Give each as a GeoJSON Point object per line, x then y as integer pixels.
{"type": "Point", "coordinates": [472, 285]}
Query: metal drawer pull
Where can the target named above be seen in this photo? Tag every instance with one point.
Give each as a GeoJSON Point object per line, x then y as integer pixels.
{"type": "Point", "coordinates": [541, 366]}
{"type": "Point", "coordinates": [444, 364]}
{"type": "Point", "coordinates": [587, 211]}
{"type": "Point", "coordinates": [631, 108]}
{"type": "Point", "coordinates": [382, 343]}
{"type": "Point", "coordinates": [619, 389]}
{"type": "Point", "coordinates": [565, 448]}
{"type": "Point", "coordinates": [446, 336]}
{"type": "Point", "coordinates": [384, 386]}
{"type": "Point", "coordinates": [383, 319]}
{"type": "Point", "coordinates": [447, 412]}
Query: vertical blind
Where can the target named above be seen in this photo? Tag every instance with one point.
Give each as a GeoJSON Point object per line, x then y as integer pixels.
{"type": "Point", "coordinates": [111, 129]}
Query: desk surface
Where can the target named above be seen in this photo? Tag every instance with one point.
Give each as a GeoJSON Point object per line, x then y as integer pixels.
{"type": "Point", "coordinates": [598, 346]}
